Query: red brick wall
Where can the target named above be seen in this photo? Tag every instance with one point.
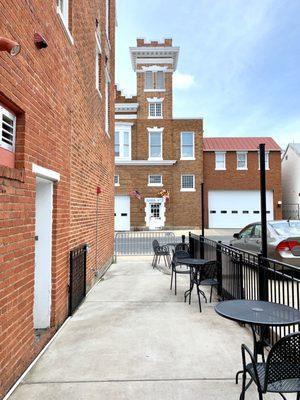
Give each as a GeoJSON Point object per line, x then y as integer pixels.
{"type": "Point", "coordinates": [60, 127]}
{"type": "Point", "coordinates": [178, 214]}
{"type": "Point", "coordinates": [233, 179]}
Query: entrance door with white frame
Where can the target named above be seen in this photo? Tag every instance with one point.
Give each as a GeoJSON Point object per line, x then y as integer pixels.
{"type": "Point", "coordinates": [155, 213]}
{"type": "Point", "coordinates": [43, 253]}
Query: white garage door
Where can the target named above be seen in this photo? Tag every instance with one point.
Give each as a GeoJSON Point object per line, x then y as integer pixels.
{"type": "Point", "coordinates": [236, 208]}
{"type": "Point", "coordinates": [122, 213]}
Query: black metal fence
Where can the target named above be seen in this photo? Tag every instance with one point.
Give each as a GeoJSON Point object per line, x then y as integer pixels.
{"type": "Point", "coordinates": [77, 285]}
{"type": "Point", "coordinates": [244, 275]}
{"type": "Point", "coordinates": [291, 211]}
{"type": "Point", "coordinates": [136, 243]}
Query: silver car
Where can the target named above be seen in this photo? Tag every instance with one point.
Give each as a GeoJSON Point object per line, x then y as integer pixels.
{"type": "Point", "coordinates": [283, 240]}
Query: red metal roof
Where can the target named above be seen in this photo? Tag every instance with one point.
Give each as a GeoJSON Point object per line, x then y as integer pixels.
{"type": "Point", "coordinates": [238, 143]}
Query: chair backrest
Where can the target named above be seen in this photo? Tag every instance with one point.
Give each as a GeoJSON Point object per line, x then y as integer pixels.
{"type": "Point", "coordinates": [283, 362]}
{"type": "Point", "coordinates": [155, 244]}
{"type": "Point", "coordinates": [210, 270]}
{"type": "Point", "coordinates": [182, 246]}
{"type": "Point", "coordinates": [177, 255]}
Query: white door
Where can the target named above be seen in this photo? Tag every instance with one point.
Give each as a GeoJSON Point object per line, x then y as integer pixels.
{"type": "Point", "coordinates": [236, 208]}
{"type": "Point", "coordinates": [155, 213]}
{"type": "Point", "coordinates": [43, 253]}
{"type": "Point", "coordinates": [122, 213]}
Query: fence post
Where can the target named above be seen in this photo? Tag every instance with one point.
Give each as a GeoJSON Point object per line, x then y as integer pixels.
{"type": "Point", "coordinates": [192, 245]}
{"type": "Point", "coordinates": [263, 287]}
{"type": "Point", "coordinates": [241, 283]}
{"type": "Point", "coordinates": [220, 267]}
{"type": "Point", "coordinates": [183, 238]}
{"type": "Point", "coordinates": [201, 241]}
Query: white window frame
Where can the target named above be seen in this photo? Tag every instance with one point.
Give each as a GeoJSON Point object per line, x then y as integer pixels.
{"type": "Point", "coordinates": [107, 94]}
{"type": "Point", "coordinates": [155, 130]}
{"type": "Point", "coordinates": [62, 10]}
{"type": "Point", "coordinates": [155, 101]}
{"type": "Point", "coordinates": [267, 160]}
{"type": "Point", "coordinates": [154, 87]}
{"type": "Point", "coordinates": [107, 5]}
{"type": "Point", "coordinates": [224, 157]}
{"type": "Point", "coordinates": [9, 114]}
{"type": "Point", "coordinates": [245, 167]}
{"type": "Point", "coordinates": [97, 63]}
{"type": "Point", "coordinates": [181, 146]}
{"type": "Point", "coordinates": [193, 189]}
{"type": "Point", "coordinates": [153, 183]}
{"type": "Point", "coordinates": [121, 128]}
{"type": "Point", "coordinates": [117, 181]}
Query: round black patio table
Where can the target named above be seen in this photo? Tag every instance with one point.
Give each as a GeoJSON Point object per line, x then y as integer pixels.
{"type": "Point", "coordinates": [258, 313]}
{"type": "Point", "coordinates": [195, 264]}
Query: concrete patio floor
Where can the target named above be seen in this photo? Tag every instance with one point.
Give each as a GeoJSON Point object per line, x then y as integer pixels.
{"type": "Point", "coordinates": [133, 338]}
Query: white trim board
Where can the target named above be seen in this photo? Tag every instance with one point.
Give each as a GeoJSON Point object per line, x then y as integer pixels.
{"type": "Point", "coordinates": [45, 173]}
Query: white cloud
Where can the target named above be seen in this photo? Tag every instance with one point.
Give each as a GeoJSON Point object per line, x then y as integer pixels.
{"type": "Point", "coordinates": [183, 81]}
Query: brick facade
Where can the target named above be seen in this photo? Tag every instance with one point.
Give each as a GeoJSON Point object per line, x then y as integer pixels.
{"type": "Point", "coordinates": [233, 179]}
{"type": "Point", "coordinates": [135, 177]}
{"type": "Point", "coordinates": [61, 127]}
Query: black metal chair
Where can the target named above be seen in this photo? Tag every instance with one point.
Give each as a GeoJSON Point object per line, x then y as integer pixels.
{"type": "Point", "coordinates": [183, 247]}
{"type": "Point", "coordinates": [160, 251]}
{"type": "Point", "coordinates": [177, 267]}
{"type": "Point", "coordinates": [280, 373]}
{"type": "Point", "coordinates": [209, 276]}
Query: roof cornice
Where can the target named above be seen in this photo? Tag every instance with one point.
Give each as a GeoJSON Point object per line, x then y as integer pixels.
{"type": "Point", "coordinates": [154, 52]}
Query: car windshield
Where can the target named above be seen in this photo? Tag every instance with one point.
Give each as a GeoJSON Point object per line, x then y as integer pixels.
{"type": "Point", "coordinates": [287, 228]}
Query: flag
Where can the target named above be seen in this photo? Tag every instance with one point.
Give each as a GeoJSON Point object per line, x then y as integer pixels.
{"type": "Point", "coordinates": [136, 194]}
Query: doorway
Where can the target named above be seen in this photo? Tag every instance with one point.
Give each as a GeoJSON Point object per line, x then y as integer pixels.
{"type": "Point", "coordinates": [43, 253]}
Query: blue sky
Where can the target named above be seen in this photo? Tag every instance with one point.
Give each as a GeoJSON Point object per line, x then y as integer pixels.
{"type": "Point", "coordinates": [239, 61]}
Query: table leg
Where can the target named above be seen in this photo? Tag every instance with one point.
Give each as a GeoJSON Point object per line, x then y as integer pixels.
{"type": "Point", "coordinates": [189, 291]}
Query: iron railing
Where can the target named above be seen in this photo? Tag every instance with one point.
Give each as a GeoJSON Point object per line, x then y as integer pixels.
{"type": "Point", "coordinates": [291, 211]}
{"type": "Point", "coordinates": [136, 243]}
{"type": "Point", "coordinates": [77, 285]}
{"type": "Point", "coordinates": [245, 275]}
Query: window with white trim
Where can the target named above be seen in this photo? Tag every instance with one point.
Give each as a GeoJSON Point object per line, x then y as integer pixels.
{"type": "Point", "coordinates": [160, 80]}
{"type": "Point", "coordinates": [107, 24]}
{"type": "Point", "coordinates": [267, 160]}
{"type": "Point", "coordinates": [154, 80]}
{"type": "Point", "coordinates": [155, 145]}
{"type": "Point", "coordinates": [117, 180]}
{"type": "Point", "coordinates": [123, 142]}
{"type": "Point", "coordinates": [98, 64]}
{"type": "Point", "coordinates": [188, 183]}
{"type": "Point", "coordinates": [8, 129]}
{"type": "Point", "coordinates": [155, 109]}
{"type": "Point", "coordinates": [220, 159]}
{"type": "Point", "coordinates": [241, 160]}
{"type": "Point", "coordinates": [63, 9]}
{"type": "Point", "coordinates": [187, 145]}
{"type": "Point", "coordinates": [155, 180]}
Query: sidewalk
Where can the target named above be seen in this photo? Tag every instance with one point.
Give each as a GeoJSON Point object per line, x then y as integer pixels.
{"type": "Point", "coordinates": [134, 339]}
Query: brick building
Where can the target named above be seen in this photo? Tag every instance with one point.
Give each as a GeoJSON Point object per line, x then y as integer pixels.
{"type": "Point", "coordinates": [56, 149]}
{"type": "Point", "coordinates": [232, 181]}
{"type": "Point", "coordinates": [157, 156]}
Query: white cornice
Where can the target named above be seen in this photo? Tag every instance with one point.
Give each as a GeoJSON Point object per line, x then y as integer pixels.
{"type": "Point", "coordinates": [145, 162]}
{"type": "Point", "coordinates": [124, 123]}
{"type": "Point", "coordinates": [153, 53]}
{"type": "Point", "coordinates": [155, 99]}
{"type": "Point", "coordinates": [126, 107]}
{"type": "Point", "coordinates": [125, 116]}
